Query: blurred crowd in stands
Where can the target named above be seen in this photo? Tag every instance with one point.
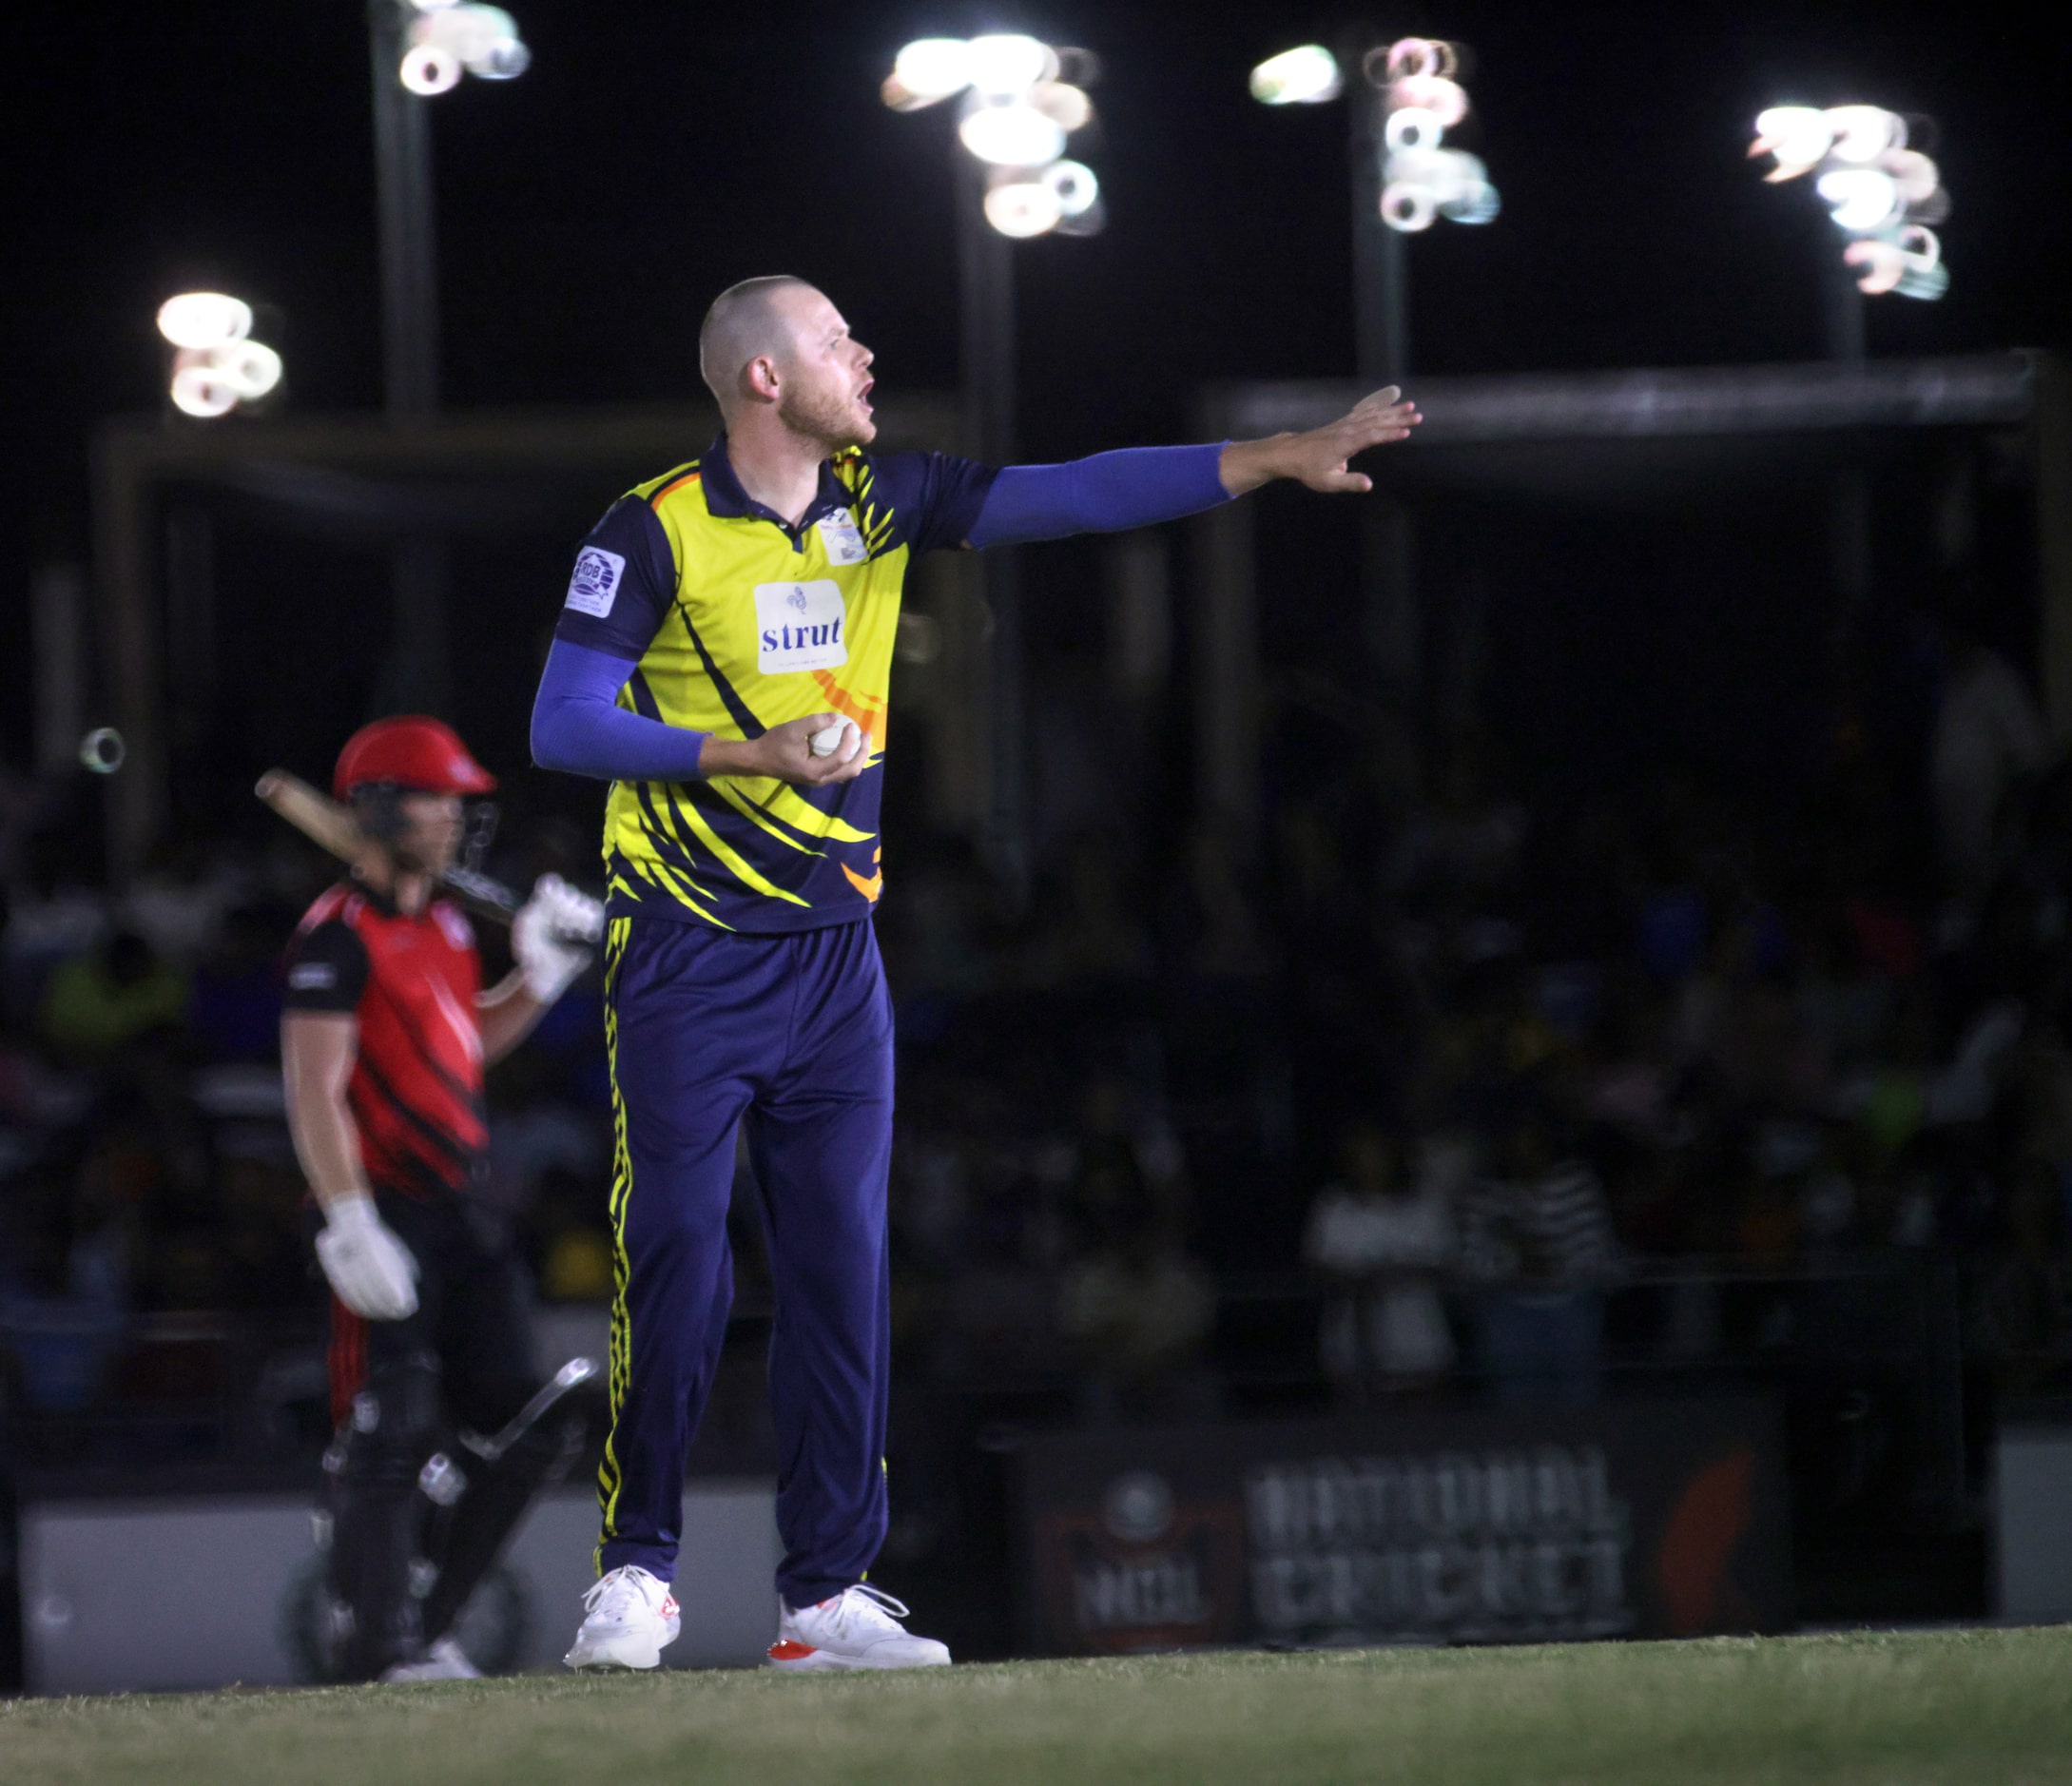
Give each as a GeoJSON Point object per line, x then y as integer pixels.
{"type": "Point", "coordinates": [1527, 1091]}
{"type": "Point", "coordinates": [145, 1169]}
{"type": "Point", "coordinates": [1472, 1094]}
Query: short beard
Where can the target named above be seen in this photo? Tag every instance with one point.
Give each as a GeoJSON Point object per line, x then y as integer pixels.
{"type": "Point", "coordinates": [833, 426]}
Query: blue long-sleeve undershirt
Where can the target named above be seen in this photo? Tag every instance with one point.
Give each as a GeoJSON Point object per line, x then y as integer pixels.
{"type": "Point", "coordinates": [579, 728]}
{"type": "Point", "coordinates": [1105, 493]}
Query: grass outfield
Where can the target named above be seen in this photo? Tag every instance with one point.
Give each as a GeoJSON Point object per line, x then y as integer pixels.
{"type": "Point", "coordinates": [1970, 1706]}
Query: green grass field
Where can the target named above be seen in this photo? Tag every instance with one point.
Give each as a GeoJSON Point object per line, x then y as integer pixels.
{"type": "Point", "coordinates": [1987, 1708]}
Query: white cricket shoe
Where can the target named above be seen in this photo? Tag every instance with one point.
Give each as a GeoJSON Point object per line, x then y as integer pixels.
{"type": "Point", "coordinates": [630, 1617]}
{"type": "Point", "coordinates": [858, 1628]}
{"type": "Point", "coordinates": [444, 1661]}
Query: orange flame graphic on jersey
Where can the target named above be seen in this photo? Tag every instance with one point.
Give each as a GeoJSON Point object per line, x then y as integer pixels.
{"type": "Point", "coordinates": [869, 714]}
{"type": "Point", "coordinates": [876, 884]}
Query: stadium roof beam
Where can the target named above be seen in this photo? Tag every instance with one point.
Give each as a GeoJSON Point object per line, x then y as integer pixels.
{"type": "Point", "coordinates": [1973, 389]}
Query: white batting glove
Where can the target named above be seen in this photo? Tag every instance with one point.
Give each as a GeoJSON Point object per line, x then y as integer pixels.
{"type": "Point", "coordinates": [548, 935]}
{"type": "Point", "coordinates": [373, 1272]}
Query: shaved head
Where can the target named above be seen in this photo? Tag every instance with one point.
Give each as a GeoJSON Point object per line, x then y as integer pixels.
{"type": "Point", "coordinates": [776, 353]}
{"type": "Point", "coordinates": [745, 322]}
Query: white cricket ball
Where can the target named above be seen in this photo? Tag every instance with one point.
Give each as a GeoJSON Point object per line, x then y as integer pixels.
{"type": "Point", "coordinates": [825, 743]}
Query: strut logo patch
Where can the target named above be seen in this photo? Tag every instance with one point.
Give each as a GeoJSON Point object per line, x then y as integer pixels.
{"type": "Point", "coordinates": [595, 583]}
{"type": "Point", "coordinates": [801, 626]}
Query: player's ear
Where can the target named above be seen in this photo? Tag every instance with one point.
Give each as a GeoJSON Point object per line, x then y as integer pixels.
{"type": "Point", "coordinates": [760, 380]}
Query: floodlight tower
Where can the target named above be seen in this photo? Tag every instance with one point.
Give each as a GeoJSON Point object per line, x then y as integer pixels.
{"type": "Point", "coordinates": [421, 48]}
{"type": "Point", "coordinates": [1882, 196]}
{"type": "Point", "coordinates": [1019, 100]}
{"type": "Point", "coordinates": [1404, 178]}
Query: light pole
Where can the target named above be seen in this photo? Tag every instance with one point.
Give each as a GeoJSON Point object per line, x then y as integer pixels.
{"type": "Point", "coordinates": [420, 48]}
{"type": "Point", "coordinates": [1019, 100]}
{"type": "Point", "coordinates": [1883, 197]}
{"type": "Point", "coordinates": [1405, 178]}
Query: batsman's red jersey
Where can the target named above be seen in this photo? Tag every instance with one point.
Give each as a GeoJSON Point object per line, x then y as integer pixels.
{"type": "Point", "coordinates": [416, 1092]}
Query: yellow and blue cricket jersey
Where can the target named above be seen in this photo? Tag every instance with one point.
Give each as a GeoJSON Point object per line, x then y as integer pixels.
{"type": "Point", "coordinates": [736, 621]}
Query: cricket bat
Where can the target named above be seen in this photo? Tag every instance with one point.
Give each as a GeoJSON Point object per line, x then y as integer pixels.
{"type": "Point", "coordinates": [326, 822]}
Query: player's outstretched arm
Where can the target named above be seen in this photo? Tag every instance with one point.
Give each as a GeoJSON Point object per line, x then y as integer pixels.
{"type": "Point", "coordinates": [1142, 486]}
{"type": "Point", "coordinates": [1320, 456]}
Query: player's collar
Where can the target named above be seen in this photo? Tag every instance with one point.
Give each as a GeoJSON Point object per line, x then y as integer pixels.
{"type": "Point", "coordinates": [725, 497]}
{"type": "Point", "coordinates": [374, 895]}
{"type": "Point", "coordinates": [385, 904]}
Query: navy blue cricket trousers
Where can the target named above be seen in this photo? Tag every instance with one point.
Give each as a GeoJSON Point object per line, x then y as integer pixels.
{"type": "Point", "coordinates": [791, 1035]}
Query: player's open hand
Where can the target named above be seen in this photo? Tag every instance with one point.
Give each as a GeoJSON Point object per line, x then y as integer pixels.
{"type": "Point", "coordinates": [1321, 457]}
{"type": "Point", "coordinates": [788, 752]}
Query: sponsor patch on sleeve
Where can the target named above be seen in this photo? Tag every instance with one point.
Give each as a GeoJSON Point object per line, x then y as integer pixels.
{"type": "Point", "coordinates": [313, 977]}
{"type": "Point", "coordinates": [595, 583]}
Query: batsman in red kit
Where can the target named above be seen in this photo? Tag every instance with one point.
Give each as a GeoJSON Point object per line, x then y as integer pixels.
{"type": "Point", "coordinates": [445, 1430]}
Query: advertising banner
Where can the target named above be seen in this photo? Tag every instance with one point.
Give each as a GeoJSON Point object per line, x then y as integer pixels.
{"type": "Point", "coordinates": [1657, 1519]}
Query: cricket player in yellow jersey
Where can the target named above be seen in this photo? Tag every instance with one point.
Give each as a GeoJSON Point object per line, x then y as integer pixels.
{"type": "Point", "coordinates": [722, 660]}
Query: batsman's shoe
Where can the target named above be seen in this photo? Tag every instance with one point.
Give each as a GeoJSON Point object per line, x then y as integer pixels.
{"type": "Point", "coordinates": [858, 1628]}
{"type": "Point", "coordinates": [630, 1617]}
{"type": "Point", "coordinates": [444, 1661]}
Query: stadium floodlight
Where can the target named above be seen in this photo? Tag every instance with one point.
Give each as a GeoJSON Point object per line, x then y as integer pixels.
{"type": "Point", "coordinates": [1011, 133]}
{"type": "Point", "coordinates": [202, 319]}
{"type": "Point", "coordinates": [1022, 207]}
{"type": "Point", "coordinates": [1307, 75]}
{"type": "Point", "coordinates": [218, 365]}
{"type": "Point", "coordinates": [931, 69]}
{"type": "Point", "coordinates": [1004, 66]}
{"type": "Point", "coordinates": [449, 38]}
{"type": "Point", "coordinates": [1405, 175]}
{"type": "Point", "coordinates": [1017, 110]}
{"type": "Point", "coordinates": [1421, 178]}
{"type": "Point", "coordinates": [1074, 187]}
{"type": "Point", "coordinates": [1882, 195]}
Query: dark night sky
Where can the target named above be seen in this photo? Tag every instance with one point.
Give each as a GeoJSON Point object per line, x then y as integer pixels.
{"type": "Point", "coordinates": [656, 151]}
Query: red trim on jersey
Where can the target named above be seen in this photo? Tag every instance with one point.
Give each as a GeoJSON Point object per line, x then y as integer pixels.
{"type": "Point", "coordinates": [415, 1091]}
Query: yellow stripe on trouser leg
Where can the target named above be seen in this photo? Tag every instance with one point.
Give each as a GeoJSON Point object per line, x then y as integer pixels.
{"type": "Point", "coordinates": [616, 935]}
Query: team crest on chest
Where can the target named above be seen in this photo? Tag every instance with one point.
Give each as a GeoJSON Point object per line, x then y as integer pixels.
{"type": "Point", "coordinates": [843, 539]}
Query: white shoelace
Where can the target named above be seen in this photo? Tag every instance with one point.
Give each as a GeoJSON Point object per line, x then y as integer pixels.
{"type": "Point", "coordinates": [606, 1597]}
{"type": "Point", "coordinates": [870, 1608]}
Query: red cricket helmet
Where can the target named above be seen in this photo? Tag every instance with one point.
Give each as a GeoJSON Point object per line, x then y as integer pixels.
{"type": "Point", "coordinates": [415, 752]}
